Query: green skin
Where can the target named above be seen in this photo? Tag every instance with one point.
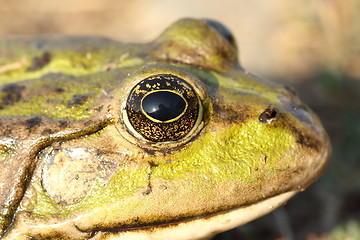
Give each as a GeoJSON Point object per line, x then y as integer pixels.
{"type": "Point", "coordinates": [68, 155]}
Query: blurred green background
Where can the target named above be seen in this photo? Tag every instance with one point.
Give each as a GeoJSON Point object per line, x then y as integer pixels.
{"type": "Point", "coordinates": [312, 45]}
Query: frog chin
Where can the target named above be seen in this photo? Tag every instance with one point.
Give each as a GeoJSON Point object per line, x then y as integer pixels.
{"type": "Point", "coordinates": [203, 227]}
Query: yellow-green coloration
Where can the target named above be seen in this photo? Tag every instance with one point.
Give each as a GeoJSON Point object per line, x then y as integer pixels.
{"type": "Point", "coordinates": [40, 107]}
{"type": "Point", "coordinates": [52, 107]}
{"type": "Point", "coordinates": [64, 65]}
{"type": "Point", "coordinates": [70, 63]}
{"type": "Point", "coordinates": [192, 164]}
{"type": "Point", "coordinates": [74, 166]}
{"type": "Point", "coordinates": [218, 53]}
{"type": "Point", "coordinates": [126, 182]}
{"type": "Point", "coordinates": [47, 208]}
{"type": "Point", "coordinates": [67, 62]}
{"type": "Point", "coordinates": [242, 149]}
{"type": "Point", "coordinates": [246, 85]}
{"type": "Point", "coordinates": [4, 149]}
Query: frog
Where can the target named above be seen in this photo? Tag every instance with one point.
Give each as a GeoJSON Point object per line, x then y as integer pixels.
{"type": "Point", "coordinates": [173, 138]}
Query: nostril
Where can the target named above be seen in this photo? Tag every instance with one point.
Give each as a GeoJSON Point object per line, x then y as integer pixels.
{"type": "Point", "coordinates": [268, 115]}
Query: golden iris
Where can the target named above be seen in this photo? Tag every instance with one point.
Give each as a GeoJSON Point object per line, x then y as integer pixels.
{"type": "Point", "coordinates": [162, 108]}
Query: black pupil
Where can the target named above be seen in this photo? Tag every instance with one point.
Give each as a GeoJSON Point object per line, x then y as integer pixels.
{"type": "Point", "coordinates": [163, 105]}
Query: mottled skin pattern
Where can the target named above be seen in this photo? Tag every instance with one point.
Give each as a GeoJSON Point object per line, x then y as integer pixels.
{"type": "Point", "coordinates": [72, 169]}
{"type": "Point", "coordinates": [18, 159]}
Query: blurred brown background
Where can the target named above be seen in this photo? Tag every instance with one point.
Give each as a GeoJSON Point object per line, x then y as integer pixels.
{"type": "Point", "coordinates": [275, 36]}
{"type": "Point", "coordinates": [313, 45]}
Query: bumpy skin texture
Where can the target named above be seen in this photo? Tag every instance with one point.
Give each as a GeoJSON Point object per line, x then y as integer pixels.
{"type": "Point", "coordinates": [71, 168]}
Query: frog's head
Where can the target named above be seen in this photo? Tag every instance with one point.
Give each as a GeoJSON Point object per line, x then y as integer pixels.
{"type": "Point", "coordinates": [196, 145]}
{"type": "Point", "coordinates": [251, 146]}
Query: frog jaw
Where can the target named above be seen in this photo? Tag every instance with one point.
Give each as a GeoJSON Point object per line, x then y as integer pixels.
{"type": "Point", "coordinates": [196, 228]}
{"type": "Point", "coordinates": [202, 228]}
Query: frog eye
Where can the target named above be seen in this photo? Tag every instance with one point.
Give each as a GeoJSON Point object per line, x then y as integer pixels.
{"type": "Point", "coordinates": [224, 31]}
{"type": "Point", "coordinates": [162, 108]}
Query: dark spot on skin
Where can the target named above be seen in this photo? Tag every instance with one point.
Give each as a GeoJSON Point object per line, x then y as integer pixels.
{"type": "Point", "coordinates": [92, 234]}
{"type": "Point", "coordinates": [110, 66]}
{"type": "Point", "coordinates": [59, 90]}
{"type": "Point", "coordinates": [136, 220]}
{"type": "Point", "coordinates": [303, 136]}
{"type": "Point", "coordinates": [100, 108]}
{"type": "Point", "coordinates": [63, 124]}
{"type": "Point", "coordinates": [149, 190]}
{"type": "Point", "coordinates": [33, 122]}
{"type": "Point", "coordinates": [47, 132]}
{"type": "Point", "coordinates": [307, 141]}
{"type": "Point", "coordinates": [304, 139]}
{"type": "Point", "coordinates": [13, 94]}
{"type": "Point", "coordinates": [268, 115]}
{"type": "Point", "coordinates": [39, 62]}
{"type": "Point", "coordinates": [100, 153]}
{"type": "Point", "coordinates": [150, 152]}
{"type": "Point", "coordinates": [89, 122]}
{"type": "Point", "coordinates": [78, 100]}
{"type": "Point", "coordinates": [6, 131]}
{"type": "Point", "coordinates": [228, 113]}
{"type": "Point", "coordinates": [152, 164]}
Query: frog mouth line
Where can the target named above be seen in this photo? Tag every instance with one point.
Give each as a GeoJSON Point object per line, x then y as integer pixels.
{"type": "Point", "coordinates": [201, 225]}
{"type": "Point", "coordinates": [189, 228]}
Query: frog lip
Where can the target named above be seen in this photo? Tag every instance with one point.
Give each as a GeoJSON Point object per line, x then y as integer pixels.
{"type": "Point", "coordinates": [192, 228]}
{"type": "Point", "coordinates": [203, 226]}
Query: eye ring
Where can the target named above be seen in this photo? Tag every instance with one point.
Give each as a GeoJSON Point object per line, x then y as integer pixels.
{"type": "Point", "coordinates": [178, 118]}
